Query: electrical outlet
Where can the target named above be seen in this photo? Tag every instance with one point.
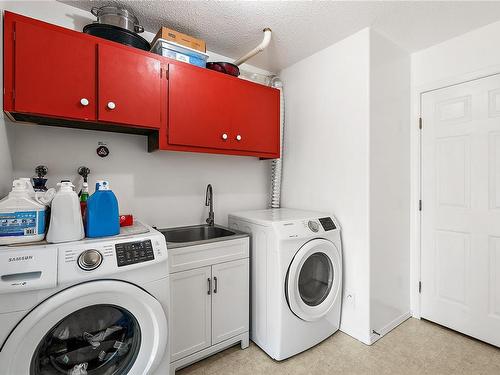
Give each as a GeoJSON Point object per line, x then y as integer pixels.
{"type": "Point", "coordinates": [350, 299]}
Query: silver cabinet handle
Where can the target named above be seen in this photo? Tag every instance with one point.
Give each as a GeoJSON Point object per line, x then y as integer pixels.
{"type": "Point", "coordinates": [224, 136]}
{"type": "Point", "coordinates": [209, 286]}
{"type": "Point", "coordinates": [84, 102]}
{"type": "Point", "coordinates": [111, 105]}
{"type": "Point", "coordinates": [215, 284]}
{"type": "Point", "coordinates": [238, 137]}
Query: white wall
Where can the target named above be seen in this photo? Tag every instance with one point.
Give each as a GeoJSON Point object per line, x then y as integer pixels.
{"type": "Point", "coordinates": [466, 54]}
{"type": "Point", "coordinates": [326, 156]}
{"type": "Point", "coordinates": [389, 183]}
{"type": "Point", "coordinates": [162, 188]}
{"type": "Point", "coordinates": [466, 57]}
{"type": "Point", "coordinates": [347, 151]}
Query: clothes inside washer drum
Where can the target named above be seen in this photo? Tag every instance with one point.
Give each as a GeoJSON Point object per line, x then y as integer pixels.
{"type": "Point", "coordinates": [97, 340]}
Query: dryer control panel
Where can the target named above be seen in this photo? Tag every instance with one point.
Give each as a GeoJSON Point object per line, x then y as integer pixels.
{"type": "Point", "coordinates": [327, 223]}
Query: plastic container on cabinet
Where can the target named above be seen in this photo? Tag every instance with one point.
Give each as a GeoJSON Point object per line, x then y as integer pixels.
{"type": "Point", "coordinates": [102, 218]}
{"type": "Point", "coordinates": [22, 219]}
{"type": "Point", "coordinates": [180, 53]}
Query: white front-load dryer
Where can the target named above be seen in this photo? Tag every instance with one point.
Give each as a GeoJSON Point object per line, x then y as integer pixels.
{"type": "Point", "coordinates": [86, 307]}
{"type": "Point", "coordinates": [296, 278]}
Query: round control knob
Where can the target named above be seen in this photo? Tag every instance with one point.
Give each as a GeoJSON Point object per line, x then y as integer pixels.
{"type": "Point", "coordinates": [111, 105]}
{"type": "Point", "coordinates": [224, 136]}
{"type": "Point", "coordinates": [238, 137]}
{"type": "Point", "coordinates": [314, 226]}
{"type": "Point", "coordinates": [84, 102]}
{"type": "Point", "coordinates": [89, 260]}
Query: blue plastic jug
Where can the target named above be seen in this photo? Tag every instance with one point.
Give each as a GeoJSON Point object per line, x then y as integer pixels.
{"type": "Point", "coordinates": [102, 217]}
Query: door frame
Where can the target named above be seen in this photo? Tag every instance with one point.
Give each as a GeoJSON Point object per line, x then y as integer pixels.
{"type": "Point", "coordinates": [416, 174]}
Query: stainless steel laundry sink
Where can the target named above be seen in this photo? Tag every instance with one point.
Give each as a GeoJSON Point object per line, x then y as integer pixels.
{"type": "Point", "coordinates": [198, 234]}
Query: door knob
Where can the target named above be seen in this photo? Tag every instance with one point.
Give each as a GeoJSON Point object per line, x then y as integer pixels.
{"type": "Point", "coordinates": [111, 105]}
{"type": "Point", "coordinates": [224, 136]}
{"type": "Point", "coordinates": [84, 102]}
{"type": "Point", "coordinates": [238, 137]}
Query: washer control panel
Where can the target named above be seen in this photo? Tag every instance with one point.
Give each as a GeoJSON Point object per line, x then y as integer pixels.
{"type": "Point", "coordinates": [134, 252]}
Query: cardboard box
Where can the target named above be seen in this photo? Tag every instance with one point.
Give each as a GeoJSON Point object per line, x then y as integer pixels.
{"type": "Point", "coordinates": [180, 38]}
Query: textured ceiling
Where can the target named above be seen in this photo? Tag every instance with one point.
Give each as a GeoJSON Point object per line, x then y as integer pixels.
{"type": "Point", "coordinates": [301, 28]}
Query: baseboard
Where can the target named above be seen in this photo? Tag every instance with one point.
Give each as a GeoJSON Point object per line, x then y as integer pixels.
{"type": "Point", "coordinates": [198, 356]}
{"type": "Point", "coordinates": [389, 327]}
{"type": "Point", "coordinates": [355, 334]}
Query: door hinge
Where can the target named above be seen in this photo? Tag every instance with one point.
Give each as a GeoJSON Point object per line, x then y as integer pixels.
{"type": "Point", "coordinates": [420, 287]}
{"type": "Point", "coordinates": [13, 94]}
{"type": "Point", "coordinates": [420, 123]}
{"type": "Point", "coordinates": [420, 205]}
{"type": "Point", "coordinates": [14, 35]}
{"type": "Point", "coordinates": [166, 73]}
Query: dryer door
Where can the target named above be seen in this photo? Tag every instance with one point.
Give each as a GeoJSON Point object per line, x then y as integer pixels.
{"type": "Point", "coordinates": [313, 280]}
{"type": "Point", "coordinates": [101, 327]}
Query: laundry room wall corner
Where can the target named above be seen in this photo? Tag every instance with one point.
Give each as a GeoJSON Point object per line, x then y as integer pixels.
{"type": "Point", "coordinates": [326, 157]}
{"type": "Point", "coordinates": [389, 184]}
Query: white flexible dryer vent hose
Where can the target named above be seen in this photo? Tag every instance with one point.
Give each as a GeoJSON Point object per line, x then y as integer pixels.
{"type": "Point", "coordinates": [256, 50]}
{"type": "Point", "coordinates": [277, 164]}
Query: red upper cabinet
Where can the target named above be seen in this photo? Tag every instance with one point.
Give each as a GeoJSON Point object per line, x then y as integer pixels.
{"type": "Point", "coordinates": [57, 76]}
{"type": "Point", "coordinates": [255, 116]}
{"type": "Point", "coordinates": [54, 71]}
{"type": "Point", "coordinates": [129, 87]}
{"type": "Point", "coordinates": [199, 107]}
{"type": "Point", "coordinates": [215, 111]}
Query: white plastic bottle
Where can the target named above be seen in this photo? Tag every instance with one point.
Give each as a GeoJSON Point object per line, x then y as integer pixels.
{"type": "Point", "coordinates": [66, 218]}
{"type": "Point", "coordinates": [22, 219]}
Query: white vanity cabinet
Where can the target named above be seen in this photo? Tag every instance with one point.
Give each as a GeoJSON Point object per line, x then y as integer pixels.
{"type": "Point", "coordinates": [191, 312]}
{"type": "Point", "coordinates": [230, 300]}
{"type": "Point", "coordinates": [209, 299]}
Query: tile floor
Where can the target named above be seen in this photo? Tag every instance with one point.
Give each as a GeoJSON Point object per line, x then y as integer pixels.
{"type": "Point", "coordinates": [415, 347]}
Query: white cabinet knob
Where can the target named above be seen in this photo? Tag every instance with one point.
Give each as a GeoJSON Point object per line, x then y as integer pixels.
{"type": "Point", "coordinates": [111, 105]}
{"type": "Point", "coordinates": [84, 102]}
{"type": "Point", "coordinates": [224, 136]}
{"type": "Point", "coordinates": [238, 137]}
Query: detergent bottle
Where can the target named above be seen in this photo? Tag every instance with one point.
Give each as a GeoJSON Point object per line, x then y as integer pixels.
{"type": "Point", "coordinates": [22, 218]}
{"type": "Point", "coordinates": [102, 218]}
{"type": "Point", "coordinates": [66, 218]}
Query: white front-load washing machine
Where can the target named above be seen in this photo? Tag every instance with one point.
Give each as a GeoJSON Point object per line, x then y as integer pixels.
{"type": "Point", "coordinates": [88, 307]}
{"type": "Point", "coordinates": [296, 278]}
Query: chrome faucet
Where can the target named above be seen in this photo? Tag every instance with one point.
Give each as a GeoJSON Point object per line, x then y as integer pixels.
{"type": "Point", "coordinates": [209, 201]}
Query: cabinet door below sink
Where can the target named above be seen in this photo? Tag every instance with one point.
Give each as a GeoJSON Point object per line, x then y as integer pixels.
{"type": "Point", "coordinates": [191, 312]}
{"type": "Point", "coordinates": [230, 304]}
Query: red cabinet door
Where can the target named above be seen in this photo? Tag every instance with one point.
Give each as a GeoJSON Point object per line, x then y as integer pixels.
{"type": "Point", "coordinates": [209, 109]}
{"type": "Point", "coordinates": [255, 117]}
{"type": "Point", "coordinates": [199, 106]}
{"type": "Point", "coordinates": [54, 72]}
{"type": "Point", "coordinates": [129, 87]}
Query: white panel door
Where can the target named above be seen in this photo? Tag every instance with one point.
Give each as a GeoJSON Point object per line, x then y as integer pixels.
{"type": "Point", "coordinates": [461, 208]}
{"type": "Point", "coordinates": [230, 299]}
{"type": "Point", "coordinates": [191, 311]}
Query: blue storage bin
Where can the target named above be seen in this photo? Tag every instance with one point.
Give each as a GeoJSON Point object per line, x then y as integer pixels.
{"type": "Point", "coordinates": [180, 53]}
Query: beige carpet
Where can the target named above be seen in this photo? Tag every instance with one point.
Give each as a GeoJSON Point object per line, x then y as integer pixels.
{"type": "Point", "coordinates": [415, 347]}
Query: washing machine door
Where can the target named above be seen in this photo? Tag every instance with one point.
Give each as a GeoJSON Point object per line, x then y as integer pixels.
{"type": "Point", "coordinates": [101, 327]}
{"type": "Point", "coordinates": [313, 280]}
